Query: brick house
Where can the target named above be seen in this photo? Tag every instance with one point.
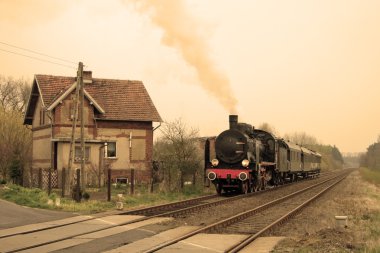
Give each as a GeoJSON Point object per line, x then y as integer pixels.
{"type": "Point", "coordinates": [118, 119]}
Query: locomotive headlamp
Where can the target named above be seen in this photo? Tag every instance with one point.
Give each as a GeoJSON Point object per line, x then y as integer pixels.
{"type": "Point", "coordinates": [245, 163]}
{"type": "Point", "coordinates": [211, 175]}
{"type": "Point", "coordinates": [214, 162]}
{"type": "Point", "coordinates": [243, 176]}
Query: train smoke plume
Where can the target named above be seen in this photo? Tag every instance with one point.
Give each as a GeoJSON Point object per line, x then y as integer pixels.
{"type": "Point", "coordinates": [181, 31]}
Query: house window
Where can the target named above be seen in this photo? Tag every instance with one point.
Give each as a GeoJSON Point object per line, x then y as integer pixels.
{"type": "Point", "coordinates": [78, 154]}
{"type": "Point", "coordinates": [42, 117]}
{"type": "Point", "coordinates": [111, 149]}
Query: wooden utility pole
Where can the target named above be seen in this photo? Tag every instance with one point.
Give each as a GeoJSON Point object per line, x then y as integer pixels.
{"type": "Point", "coordinates": [82, 144]}
{"type": "Point", "coordinates": [74, 113]}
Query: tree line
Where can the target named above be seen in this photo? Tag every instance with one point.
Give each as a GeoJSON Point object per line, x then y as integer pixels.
{"type": "Point", "coordinates": [16, 139]}
{"type": "Point", "coordinates": [371, 158]}
{"type": "Point", "coordinates": [332, 158]}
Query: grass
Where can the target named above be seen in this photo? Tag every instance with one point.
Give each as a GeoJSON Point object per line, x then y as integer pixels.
{"type": "Point", "coordinates": [34, 197]}
{"type": "Point", "coordinates": [373, 241]}
{"type": "Point", "coordinates": [26, 197]}
{"type": "Point", "coordinates": [372, 176]}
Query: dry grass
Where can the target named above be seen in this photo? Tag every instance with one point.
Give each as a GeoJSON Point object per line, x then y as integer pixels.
{"type": "Point", "coordinates": [354, 197]}
{"type": "Point", "coordinates": [371, 176]}
{"type": "Point", "coordinates": [39, 199]}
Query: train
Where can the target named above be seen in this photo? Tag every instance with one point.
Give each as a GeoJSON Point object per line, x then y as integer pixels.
{"type": "Point", "coordinates": [244, 159]}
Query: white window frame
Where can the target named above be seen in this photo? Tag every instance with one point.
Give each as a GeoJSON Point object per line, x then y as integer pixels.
{"type": "Point", "coordinates": [107, 153]}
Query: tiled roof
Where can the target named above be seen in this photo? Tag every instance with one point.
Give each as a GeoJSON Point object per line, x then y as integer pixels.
{"type": "Point", "coordinates": [121, 99]}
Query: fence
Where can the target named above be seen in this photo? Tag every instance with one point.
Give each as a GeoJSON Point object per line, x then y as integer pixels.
{"type": "Point", "coordinates": [131, 178]}
{"type": "Point", "coordinates": [39, 178]}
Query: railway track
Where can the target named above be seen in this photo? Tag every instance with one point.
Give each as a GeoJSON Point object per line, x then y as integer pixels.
{"type": "Point", "coordinates": [165, 210]}
{"type": "Point", "coordinates": [290, 206]}
{"type": "Point", "coordinates": [168, 209]}
{"type": "Point", "coordinates": [188, 206]}
{"type": "Point", "coordinates": [262, 218]}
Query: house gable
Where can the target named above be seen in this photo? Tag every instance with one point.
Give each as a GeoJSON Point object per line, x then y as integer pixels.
{"type": "Point", "coordinates": [119, 100]}
{"type": "Point", "coordinates": [68, 92]}
{"type": "Point", "coordinates": [35, 95]}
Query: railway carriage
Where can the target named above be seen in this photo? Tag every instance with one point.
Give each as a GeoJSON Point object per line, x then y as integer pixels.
{"type": "Point", "coordinates": [290, 163]}
{"type": "Point", "coordinates": [315, 163]}
{"type": "Point", "coordinates": [245, 159]}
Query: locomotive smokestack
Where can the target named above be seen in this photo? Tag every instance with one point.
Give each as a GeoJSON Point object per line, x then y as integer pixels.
{"type": "Point", "coordinates": [233, 121]}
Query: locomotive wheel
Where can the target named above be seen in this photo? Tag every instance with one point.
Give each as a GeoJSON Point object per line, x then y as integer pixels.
{"type": "Point", "coordinates": [276, 179]}
{"type": "Point", "coordinates": [250, 187]}
{"type": "Point", "coordinates": [255, 185]}
{"type": "Point", "coordinates": [218, 189]}
{"type": "Point", "coordinates": [263, 184]}
{"type": "Point", "coordinates": [244, 188]}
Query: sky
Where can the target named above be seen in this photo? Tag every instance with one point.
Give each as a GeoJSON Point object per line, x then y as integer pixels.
{"type": "Point", "coordinates": [302, 66]}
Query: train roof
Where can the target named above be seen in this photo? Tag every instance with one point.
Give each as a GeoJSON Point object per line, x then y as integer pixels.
{"type": "Point", "coordinates": [290, 145]}
{"type": "Point", "coordinates": [298, 148]}
{"type": "Point", "coordinates": [316, 153]}
{"type": "Point", "coordinates": [307, 151]}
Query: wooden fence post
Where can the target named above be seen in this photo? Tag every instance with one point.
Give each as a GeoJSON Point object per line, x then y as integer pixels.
{"type": "Point", "coordinates": [63, 182]}
{"type": "Point", "coordinates": [109, 185]}
{"type": "Point", "coordinates": [40, 178]}
{"type": "Point", "coordinates": [77, 191]}
{"type": "Point", "coordinates": [49, 181]}
{"type": "Point", "coordinates": [30, 177]}
{"type": "Point", "coordinates": [132, 181]}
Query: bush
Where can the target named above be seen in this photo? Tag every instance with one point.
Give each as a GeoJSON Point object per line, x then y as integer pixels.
{"type": "Point", "coordinates": [86, 196]}
{"type": "Point", "coordinates": [372, 176]}
{"type": "Point", "coordinates": [3, 181]}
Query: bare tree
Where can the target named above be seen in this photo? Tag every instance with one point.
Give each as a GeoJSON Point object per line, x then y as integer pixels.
{"type": "Point", "coordinates": [178, 151]}
{"type": "Point", "coordinates": [14, 93]}
{"type": "Point", "coordinates": [16, 139]}
{"type": "Point", "coordinates": [301, 138]}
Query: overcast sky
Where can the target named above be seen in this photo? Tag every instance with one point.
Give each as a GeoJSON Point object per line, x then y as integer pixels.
{"type": "Point", "coordinates": [308, 65]}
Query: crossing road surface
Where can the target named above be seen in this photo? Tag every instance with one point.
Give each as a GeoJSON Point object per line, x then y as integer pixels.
{"type": "Point", "coordinates": [13, 215]}
{"type": "Point", "coordinates": [38, 231]}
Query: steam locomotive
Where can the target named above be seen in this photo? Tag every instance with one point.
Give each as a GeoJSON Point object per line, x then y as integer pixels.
{"type": "Point", "coordinates": [245, 159]}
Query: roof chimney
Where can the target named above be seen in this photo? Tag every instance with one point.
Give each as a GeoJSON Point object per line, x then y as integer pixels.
{"type": "Point", "coordinates": [87, 76]}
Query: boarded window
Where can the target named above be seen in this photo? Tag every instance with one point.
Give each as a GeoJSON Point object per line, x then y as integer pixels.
{"type": "Point", "coordinates": [138, 149]}
{"type": "Point", "coordinates": [42, 117]}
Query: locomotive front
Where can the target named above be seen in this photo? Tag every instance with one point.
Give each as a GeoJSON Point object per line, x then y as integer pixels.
{"type": "Point", "coordinates": [235, 151]}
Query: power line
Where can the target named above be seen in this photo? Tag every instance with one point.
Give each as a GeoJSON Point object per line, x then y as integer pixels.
{"type": "Point", "coordinates": [39, 59]}
{"type": "Point", "coordinates": [35, 52]}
